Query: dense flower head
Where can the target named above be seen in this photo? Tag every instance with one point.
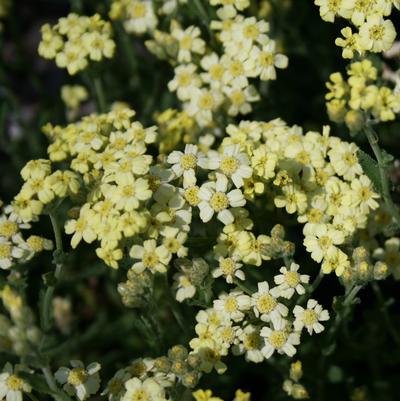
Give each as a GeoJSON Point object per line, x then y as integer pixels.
{"type": "Point", "coordinates": [76, 41]}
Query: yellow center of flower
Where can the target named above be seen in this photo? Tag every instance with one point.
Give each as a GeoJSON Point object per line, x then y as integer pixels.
{"type": "Point", "coordinates": [35, 243]}
{"type": "Point", "coordinates": [184, 79]}
{"type": "Point", "coordinates": [292, 278]}
{"type": "Point", "coordinates": [191, 196]}
{"type": "Point", "coordinates": [186, 42]}
{"type": "Point", "coordinates": [172, 244]}
{"type": "Point", "coordinates": [377, 32]}
{"type": "Point", "coordinates": [365, 193]}
{"type": "Point", "coordinates": [237, 98]}
{"type": "Point", "coordinates": [325, 242]}
{"type": "Point", "coordinates": [266, 59]}
{"type": "Point", "coordinates": [14, 383]}
{"type": "Point", "coordinates": [309, 317]}
{"type": "Point", "coordinates": [266, 303]}
{"type": "Point", "coordinates": [138, 10]}
{"type": "Point", "coordinates": [278, 339]}
{"type": "Point", "coordinates": [5, 251]}
{"type": "Point", "coordinates": [77, 376]}
{"type": "Point", "coordinates": [229, 165]}
{"type": "Point", "coordinates": [227, 266]}
{"type": "Point", "coordinates": [303, 157]}
{"type": "Point", "coordinates": [216, 72]}
{"type": "Point", "coordinates": [219, 201]}
{"type": "Point", "coordinates": [8, 228]}
{"type": "Point", "coordinates": [127, 191]}
{"type": "Point", "coordinates": [115, 386]}
{"type": "Point", "coordinates": [350, 158]}
{"type": "Point", "coordinates": [236, 68]}
{"type": "Point", "coordinates": [150, 259]}
{"type": "Point", "coordinates": [231, 304]}
{"type": "Point", "coordinates": [227, 334]}
{"type": "Point", "coordinates": [252, 341]}
{"type": "Point", "coordinates": [140, 395]}
{"type": "Point", "coordinates": [188, 161]}
{"type": "Point", "coordinates": [206, 101]}
{"type": "Point", "coordinates": [314, 215]}
{"type": "Point", "coordinates": [250, 31]}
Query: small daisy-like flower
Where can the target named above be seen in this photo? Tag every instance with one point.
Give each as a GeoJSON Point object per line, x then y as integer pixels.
{"type": "Point", "coordinates": [12, 386]}
{"type": "Point", "coordinates": [151, 256]}
{"type": "Point", "coordinates": [185, 163]}
{"type": "Point", "coordinates": [184, 287]}
{"type": "Point", "coordinates": [80, 381]}
{"type": "Point", "coordinates": [233, 164]}
{"type": "Point", "coordinates": [229, 268]}
{"type": "Point", "coordinates": [147, 390]}
{"type": "Point", "coordinates": [291, 281]}
{"type": "Point", "coordinates": [265, 304]}
{"type": "Point", "coordinates": [233, 304]}
{"type": "Point", "coordinates": [215, 199]}
{"type": "Point", "coordinates": [322, 241]}
{"type": "Point", "coordinates": [250, 344]}
{"type": "Point", "coordinates": [279, 339]}
{"type": "Point", "coordinates": [377, 34]}
{"type": "Point", "coordinates": [310, 317]}
{"type": "Point", "coordinates": [116, 386]}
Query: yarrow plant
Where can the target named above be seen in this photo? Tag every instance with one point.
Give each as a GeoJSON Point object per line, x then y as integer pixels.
{"type": "Point", "coordinates": [187, 225]}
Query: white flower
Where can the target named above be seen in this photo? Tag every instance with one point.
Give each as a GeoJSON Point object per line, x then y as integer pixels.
{"type": "Point", "coordinates": [233, 164]}
{"type": "Point", "coordinates": [184, 288]}
{"type": "Point", "coordinates": [11, 386]}
{"type": "Point", "coordinates": [189, 42]}
{"type": "Point", "coordinates": [152, 257]}
{"type": "Point", "coordinates": [186, 163]}
{"type": "Point", "coordinates": [229, 268]}
{"type": "Point", "coordinates": [233, 304]}
{"type": "Point", "coordinates": [265, 304]}
{"type": "Point", "coordinates": [290, 281]}
{"type": "Point", "coordinates": [322, 241]}
{"type": "Point", "coordinates": [310, 317]}
{"type": "Point", "coordinates": [214, 199]}
{"type": "Point", "coordinates": [116, 386]}
{"type": "Point", "coordinates": [10, 253]}
{"type": "Point", "coordinates": [250, 344]}
{"type": "Point", "coordinates": [279, 339]}
{"type": "Point", "coordinates": [80, 381]}
{"type": "Point", "coordinates": [147, 390]}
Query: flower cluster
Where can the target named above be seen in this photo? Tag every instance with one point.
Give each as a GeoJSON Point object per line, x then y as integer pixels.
{"type": "Point", "coordinates": [361, 95]}
{"type": "Point", "coordinates": [256, 324]}
{"type": "Point", "coordinates": [373, 32]}
{"type": "Point", "coordinates": [138, 16]}
{"type": "Point", "coordinates": [18, 330]}
{"type": "Point", "coordinates": [14, 249]}
{"type": "Point", "coordinates": [292, 385]}
{"type": "Point", "coordinates": [205, 80]}
{"type": "Point", "coordinates": [76, 40]}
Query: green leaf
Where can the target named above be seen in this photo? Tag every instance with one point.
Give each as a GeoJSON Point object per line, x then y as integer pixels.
{"type": "Point", "coordinates": [387, 158]}
{"type": "Point", "coordinates": [371, 169]}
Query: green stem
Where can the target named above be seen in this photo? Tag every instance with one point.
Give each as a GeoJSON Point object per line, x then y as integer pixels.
{"type": "Point", "coordinates": [32, 397]}
{"type": "Point", "coordinates": [127, 47]}
{"type": "Point", "coordinates": [59, 396]}
{"type": "Point", "coordinates": [101, 99]}
{"type": "Point", "coordinates": [389, 325]}
{"type": "Point", "coordinates": [203, 15]}
{"type": "Point", "coordinates": [243, 287]}
{"type": "Point", "coordinates": [373, 141]}
{"type": "Point", "coordinates": [48, 295]}
{"type": "Point", "coordinates": [315, 284]}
